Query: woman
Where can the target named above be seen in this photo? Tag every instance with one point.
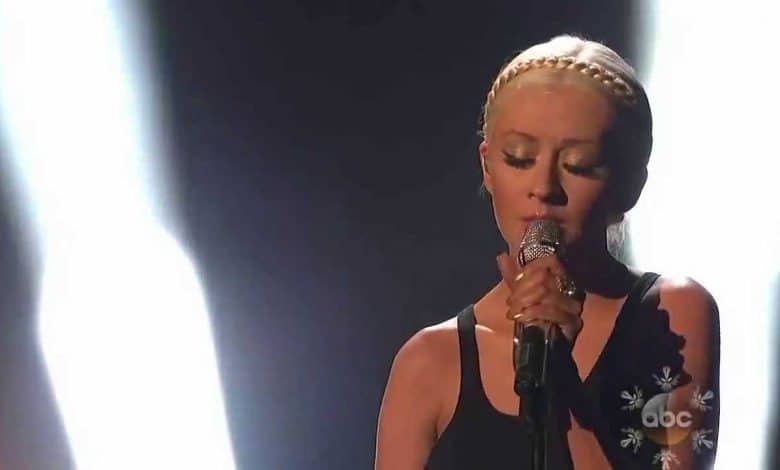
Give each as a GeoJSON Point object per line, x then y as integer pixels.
{"type": "Point", "coordinates": [566, 136]}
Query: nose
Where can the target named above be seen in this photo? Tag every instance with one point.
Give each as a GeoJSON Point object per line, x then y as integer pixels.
{"type": "Point", "coordinates": [546, 185]}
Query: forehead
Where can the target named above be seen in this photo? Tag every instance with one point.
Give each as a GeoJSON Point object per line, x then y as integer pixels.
{"type": "Point", "coordinates": [552, 104]}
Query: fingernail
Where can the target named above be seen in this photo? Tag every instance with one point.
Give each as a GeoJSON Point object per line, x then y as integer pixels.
{"type": "Point", "coordinates": [515, 316]}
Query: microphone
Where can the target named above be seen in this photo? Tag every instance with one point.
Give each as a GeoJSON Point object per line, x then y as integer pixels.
{"type": "Point", "coordinates": [531, 344]}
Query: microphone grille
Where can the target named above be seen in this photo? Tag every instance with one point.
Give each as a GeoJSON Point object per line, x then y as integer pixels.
{"type": "Point", "coordinates": [542, 238]}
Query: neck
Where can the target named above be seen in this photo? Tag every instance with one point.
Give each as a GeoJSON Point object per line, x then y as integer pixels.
{"type": "Point", "coordinates": [594, 270]}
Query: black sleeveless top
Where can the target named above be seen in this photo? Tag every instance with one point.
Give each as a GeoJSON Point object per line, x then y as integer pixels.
{"type": "Point", "coordinates": [481, 437]}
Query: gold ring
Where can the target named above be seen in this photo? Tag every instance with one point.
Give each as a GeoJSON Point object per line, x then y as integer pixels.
{"type": "Point", "coordinates": [568, 288]}
{"type": "Point", "coordinates": [519, 276]}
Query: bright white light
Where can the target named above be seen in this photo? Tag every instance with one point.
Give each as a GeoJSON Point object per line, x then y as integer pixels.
{"type": "Point", "coordinates": [707, 210]}
{"type": "Point", "coordinates": [123, 323]}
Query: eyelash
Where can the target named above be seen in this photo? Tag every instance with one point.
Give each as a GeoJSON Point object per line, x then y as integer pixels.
{"type": "Point", "coordinates": [517, 162]}
{"type": "Point", "coordinates": [525, 163]}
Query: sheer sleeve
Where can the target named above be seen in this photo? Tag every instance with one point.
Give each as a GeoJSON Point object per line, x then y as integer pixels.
{"type": "Point", "coordinates": [665, 390]}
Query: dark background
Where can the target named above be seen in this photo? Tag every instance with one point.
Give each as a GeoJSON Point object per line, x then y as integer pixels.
{"type": "Point", "coordinates": [327, 154]}
{"type": "Point", "coordinates": [326, 169]}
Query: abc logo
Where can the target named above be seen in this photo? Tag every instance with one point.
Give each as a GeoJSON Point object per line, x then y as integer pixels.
{"type": "Point", "coordinates": [663, 426]}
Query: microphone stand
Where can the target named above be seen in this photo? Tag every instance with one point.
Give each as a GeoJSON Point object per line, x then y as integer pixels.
{"type": "Point", "coordinates": [531, 356]}
{"type": "Point", "coordinates": [532, 350]}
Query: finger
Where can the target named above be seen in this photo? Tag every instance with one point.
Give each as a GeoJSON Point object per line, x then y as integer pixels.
{"type": "Point", "coordinates": [540, 287]}
{"type": "Point", "coordinates": [553, 313]}
{"type": "Point", "coordinates": [535, 276]}
{"type": "Point", "coordinates": [549, 274]}
{"type": "Point", "coordinates": [570, 327]}
{"type": "Point", "coordinates": [508, 268]}
{"type": "Point", "coordinates": [519, 307]}
{"type": "Point", "coordinates": [535, 281]}
{"type": "Point", "coordinates": [533, 289]}
{"type": "Point", "coordinates": [564, 304]}
{"type": "Point", "coordinates": [522, 299]}
{"type": "Point", "coordinates": [552, 263]}
{"type": "Point", "coordinates": [552, 282]}
{"type": "Point", "coordinates": [534, 316]}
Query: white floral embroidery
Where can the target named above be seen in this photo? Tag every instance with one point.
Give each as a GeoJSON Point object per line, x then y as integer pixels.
{"type": "Point", "coordinates": [634, 438]}
{"type": "Point", "coordinates": [699, 400]}
{"type": "Point", "coordinates": [699, 440]}
{"type": "Point", "coordinates": [666, 457]}
{"type": "Point", "coordinates": [635, 400]}
{"type": "Point", "coordinates": [667, 382]}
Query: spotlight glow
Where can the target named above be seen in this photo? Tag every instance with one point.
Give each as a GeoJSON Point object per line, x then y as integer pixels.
{"type": "Point", "coordinates": [123, 324]}
{"type": "Point", "coordinates": [705, 211]}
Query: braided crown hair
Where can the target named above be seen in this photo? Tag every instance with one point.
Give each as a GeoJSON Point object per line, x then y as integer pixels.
{"type": "Point", "coordinates": [617, 79]}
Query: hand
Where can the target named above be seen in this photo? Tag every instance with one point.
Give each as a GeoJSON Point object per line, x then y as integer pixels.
{"type": "Point", "coordinates": [536, 294]}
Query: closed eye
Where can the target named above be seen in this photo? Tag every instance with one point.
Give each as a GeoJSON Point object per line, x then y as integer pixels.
{"type": "Point", "coordinates": [518, 162]}
{"type": "Point", "coordinates": [588, 171]}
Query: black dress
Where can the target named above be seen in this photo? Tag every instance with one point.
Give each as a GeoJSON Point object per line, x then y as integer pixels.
{"type": "Point", "coordinates": [640, 345]}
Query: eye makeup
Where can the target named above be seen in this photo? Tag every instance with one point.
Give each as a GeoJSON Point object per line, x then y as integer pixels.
{"type": "Point", "coordinates": [591, 167]}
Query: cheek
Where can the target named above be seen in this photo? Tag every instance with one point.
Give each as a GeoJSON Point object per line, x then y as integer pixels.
{"type": "Point", "coordinates": [507, 185]}
{"type": "Point", "coordinates": [507, 203]}
{"type": "Point", "coordinates": [585, 201]}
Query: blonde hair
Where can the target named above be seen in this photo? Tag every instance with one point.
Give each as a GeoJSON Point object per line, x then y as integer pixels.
{"type": "Point", "coordinates": [619, 81]}
{"type": "Point", "coordinates": [591, 59]}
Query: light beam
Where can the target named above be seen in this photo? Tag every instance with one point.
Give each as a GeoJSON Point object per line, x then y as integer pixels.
{"type": "Point", "coordinates": [707, 209]}
{"type": "Point", "coordinates": [123, 323]}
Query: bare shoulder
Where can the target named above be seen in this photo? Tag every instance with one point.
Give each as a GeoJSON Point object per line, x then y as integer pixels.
{"type": "Point", "coordinates": [427, 362]}
{"type": "Point", "coordinates": [410, 407]}
{"type": "Point", "coordinates": [693, 314]}
{"type": "Point", "coordinates": [429, 349]}
{"type": "Point", "coordinates": [685, 300]}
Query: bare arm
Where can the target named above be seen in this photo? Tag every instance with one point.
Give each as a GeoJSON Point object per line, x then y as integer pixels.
{"type": "Point", "coordinates": [693, 313]}
{"type": "Point", "coordinates": [406, 430]}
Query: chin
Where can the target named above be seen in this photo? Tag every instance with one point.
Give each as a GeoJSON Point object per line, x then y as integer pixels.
{"type": "Point", "coordinates": [573, 234]}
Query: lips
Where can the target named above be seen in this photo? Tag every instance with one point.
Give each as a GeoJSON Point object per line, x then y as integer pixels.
{"type": "Point", "coordinates": [529, 220]}
{"type": "Point", "coordinates": [541, 216]}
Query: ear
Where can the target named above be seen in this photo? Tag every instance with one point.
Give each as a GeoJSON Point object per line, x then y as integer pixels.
{"type": "Point", "coordinates": [487, 179]}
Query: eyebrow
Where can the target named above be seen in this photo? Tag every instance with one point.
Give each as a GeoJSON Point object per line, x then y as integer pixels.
{"type": "Point", "coordinates": [566, 142]}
